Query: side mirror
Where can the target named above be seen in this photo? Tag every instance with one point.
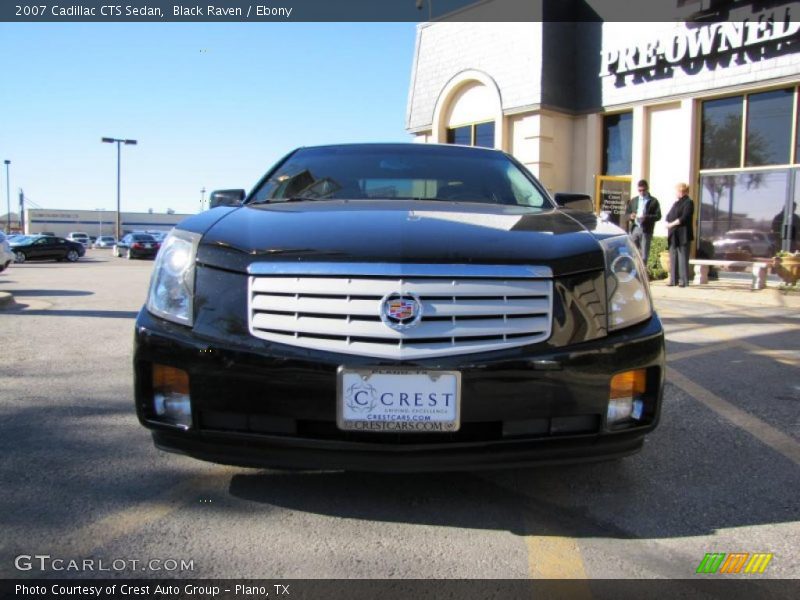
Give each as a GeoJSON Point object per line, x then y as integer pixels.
{"type": "Point", "coordinates": [582, 202]}
{"type": "Point", "coordinates": [225, 198]}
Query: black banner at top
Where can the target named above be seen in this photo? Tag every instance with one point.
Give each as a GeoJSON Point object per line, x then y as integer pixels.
{"type": "Point", "coordinates": [265, 10]}
{"type": "Point", "coordinates": [375, 10]}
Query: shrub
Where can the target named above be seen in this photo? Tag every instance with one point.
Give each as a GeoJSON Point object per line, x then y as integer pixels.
{"type": "Point", "coordinates": [654, 270]}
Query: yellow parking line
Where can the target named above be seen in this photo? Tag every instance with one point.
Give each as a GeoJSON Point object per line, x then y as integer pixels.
{"type": "Point", "coordinates": [767, 434]}
{"type": "Point", "coordinates": [94, 535]}
{"type": "Point", "coordinates": [698, 351]}
{"type": "Point", "coordinates": [786, 357]}
{"type": "Point", "coordinates": [554, 557]}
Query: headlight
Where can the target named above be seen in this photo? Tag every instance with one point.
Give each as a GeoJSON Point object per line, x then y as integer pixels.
{"type": "Point", "coordinates": [626, 284]}
{"type": "Point", "coordinates": [172, 284]}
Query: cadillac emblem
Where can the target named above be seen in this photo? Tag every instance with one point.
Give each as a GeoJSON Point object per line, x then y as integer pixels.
{"type": "Point", "coordinates": [401, 311]}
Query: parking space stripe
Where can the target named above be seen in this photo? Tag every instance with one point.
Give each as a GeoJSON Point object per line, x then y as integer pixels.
{"type": "Point", "coordinates": [767, 434]}
{"type": "Point", "coordinates": [790, 358]}
{"type": "Point", "coordinates": [673, 356]}
{"type": "Point", "coordinates": [555, 557]}
{"type": "Point", "coordinates": [95, 535]}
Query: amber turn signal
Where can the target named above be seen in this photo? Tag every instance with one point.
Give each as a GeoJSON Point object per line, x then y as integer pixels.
{"type": "Point", "coordinates": [170, 380]}
{"type": "Point", "coordinates": [628, 384]}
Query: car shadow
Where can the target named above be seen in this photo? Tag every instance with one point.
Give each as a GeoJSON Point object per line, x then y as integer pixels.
{"type": "Point", "coordinates": [22, 309]}
{"type": "Point", "coordinates": [48, 292]}
{"type": "Point", "coordinates": [696, 475]}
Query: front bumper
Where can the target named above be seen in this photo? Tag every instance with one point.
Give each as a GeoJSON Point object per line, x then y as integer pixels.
{"type": "Point", "coordinates": [259, 404]}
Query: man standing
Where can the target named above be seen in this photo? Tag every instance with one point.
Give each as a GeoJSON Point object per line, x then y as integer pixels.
{"type": "Point", "coordinates": [641, 215]}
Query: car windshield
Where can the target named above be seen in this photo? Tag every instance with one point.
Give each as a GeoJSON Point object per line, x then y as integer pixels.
{"type": "Point", "coordinates": [400, 172]}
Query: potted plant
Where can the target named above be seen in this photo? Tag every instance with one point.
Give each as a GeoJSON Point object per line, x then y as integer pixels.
{"type": "Point", "coordinates": [787, 266]}
{"type": "Point", "coordinates": [663, 259]}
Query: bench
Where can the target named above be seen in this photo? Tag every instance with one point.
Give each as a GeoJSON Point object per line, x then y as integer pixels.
{"type": "Point", "coordinates": [758, 269]}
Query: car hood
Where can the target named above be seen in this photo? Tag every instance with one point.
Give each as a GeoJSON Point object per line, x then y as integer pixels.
{"type": "Point", "coordinates": [402, 231]}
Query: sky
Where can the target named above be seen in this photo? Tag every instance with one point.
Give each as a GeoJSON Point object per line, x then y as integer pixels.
{"type": "Point", "coordinates": [211, 105]}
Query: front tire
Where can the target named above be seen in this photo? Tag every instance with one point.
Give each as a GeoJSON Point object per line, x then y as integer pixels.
{"type": "Point", "coordinates": [20, 257]}
{"type": "Point", "coordinates": [5, 266]}
{"type": "Point", "coordinates": [72, 255]}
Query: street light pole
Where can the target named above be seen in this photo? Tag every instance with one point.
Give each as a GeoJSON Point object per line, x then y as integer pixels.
{"type": "Point", "coordinates": [118, 142]}
{"type": "Point", "coordinates": [8, 199]}
{"type": "Point", "coordinates": [202, 198]}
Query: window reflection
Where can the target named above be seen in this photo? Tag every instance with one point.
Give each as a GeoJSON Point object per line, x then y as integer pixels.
{"type": "Point", "coordinates": [478, 134]}
{"type": "Point", "coordinates": [460, 135]}
{"type": "Point", "coordinates": [769, 128]}
{"type": "Point", "coordinates": [617, 144]}
{"type": "Point", "coordinates": [484, 135]}
{"type": "Point", "coordinates": [737, 213]}
{"type": "Point", "coordinates": [722, 133]}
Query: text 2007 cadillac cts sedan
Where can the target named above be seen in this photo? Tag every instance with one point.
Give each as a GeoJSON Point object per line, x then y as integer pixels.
{"type": "Point", "coordinates": [398, 307]}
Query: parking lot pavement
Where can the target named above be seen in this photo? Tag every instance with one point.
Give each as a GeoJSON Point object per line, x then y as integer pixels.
{"type": "Point", "coordinates": [720, 474]}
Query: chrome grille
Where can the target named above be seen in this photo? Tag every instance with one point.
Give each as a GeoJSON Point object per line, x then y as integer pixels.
{"type": "Point", "coordinates": [336, 307]}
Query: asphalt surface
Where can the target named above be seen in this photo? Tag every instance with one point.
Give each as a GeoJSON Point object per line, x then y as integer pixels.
{"type": "Point", "coordinates": [83, 480]}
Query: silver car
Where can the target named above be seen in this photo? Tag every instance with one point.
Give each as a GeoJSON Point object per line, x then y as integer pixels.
{"type": "Point", "coordinates": [80, 237]}
{"type": "Point", "coordinates": [744, 241]}
{"type": "Point", "coordinates": [6, 254]}
{"type": "Point", "coordinates": [105, 241]}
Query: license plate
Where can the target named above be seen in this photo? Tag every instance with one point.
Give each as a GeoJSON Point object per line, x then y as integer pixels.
{"type": "Point", "coordinates": [148, 246]}
{"type": "Point", "coordinates": [398, 400]}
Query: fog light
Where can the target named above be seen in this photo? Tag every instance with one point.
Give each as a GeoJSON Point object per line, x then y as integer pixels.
{"type": "Point", "coordinates": [171, 400]}
{"type": "Point", "coordinates": [173, 408]}
{"type": "Point", "coordinates": [625, 397]}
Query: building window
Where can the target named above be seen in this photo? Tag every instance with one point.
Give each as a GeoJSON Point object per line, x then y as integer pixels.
{"type": "Point", "coordinates": [617, 143]}
{"type": "Point", "coordinates": [768, 132]}
{"type": "Point", "coordinates": [722, 133]}
{"type": "Point", "coordinates": [747, 213]}
{"type": "Point", "coordinates": [769, 128]}
{"type": "Point", "coordinates": [477, 134]}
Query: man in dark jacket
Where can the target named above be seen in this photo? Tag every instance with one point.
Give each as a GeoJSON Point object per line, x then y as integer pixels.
{"type": "Point", "coordinates": [641, 215]}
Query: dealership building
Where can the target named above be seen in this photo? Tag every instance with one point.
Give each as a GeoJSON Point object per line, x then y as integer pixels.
{"type": "Point", "coordinates": [96, 222]}
{"type": "Point", "coordinates": [710, 99]}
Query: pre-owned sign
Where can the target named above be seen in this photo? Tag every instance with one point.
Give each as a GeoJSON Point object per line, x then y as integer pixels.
{"type": "Point", "coordinates": [697, 42]}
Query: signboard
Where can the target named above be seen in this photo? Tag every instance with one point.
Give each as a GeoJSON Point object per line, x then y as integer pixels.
{"type": "Point", "coordinates": [613, 194]}
{"type": "Point", "coordinates": [695, 47]}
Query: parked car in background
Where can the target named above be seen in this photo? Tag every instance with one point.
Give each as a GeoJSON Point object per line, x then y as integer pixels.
{"type": "Point", "coordinates": [105, 241]}
{"type": "Point", "coordinates": [45, 247]}
{"type": "Point", "coordinates": [6, 254]}
{"type": "Point", "coordinates": [745, 244]}
{"type": "Point", "coordinates": [80, 237]}
{"type": "Point", "coordinates": [137, 245]}
{"type": "Point", "coordinates": [158, 235]}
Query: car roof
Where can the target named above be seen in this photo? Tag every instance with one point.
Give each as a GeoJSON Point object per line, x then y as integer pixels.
{"type": "Point", "coordinates": [415, 148]}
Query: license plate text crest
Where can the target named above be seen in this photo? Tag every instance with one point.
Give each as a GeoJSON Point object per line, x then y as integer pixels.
{"type": "Point", "coordinates": [398, 400]}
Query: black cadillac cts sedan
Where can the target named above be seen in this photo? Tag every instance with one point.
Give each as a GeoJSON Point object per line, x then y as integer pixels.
{"type": "Point", "coordinates": [398, 307]}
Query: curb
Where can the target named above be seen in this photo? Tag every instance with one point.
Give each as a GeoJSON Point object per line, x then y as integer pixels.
{"type": "Point", "coordinates": [6, 299]}
{"type": "Point", "coordinates": [727, 294]}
